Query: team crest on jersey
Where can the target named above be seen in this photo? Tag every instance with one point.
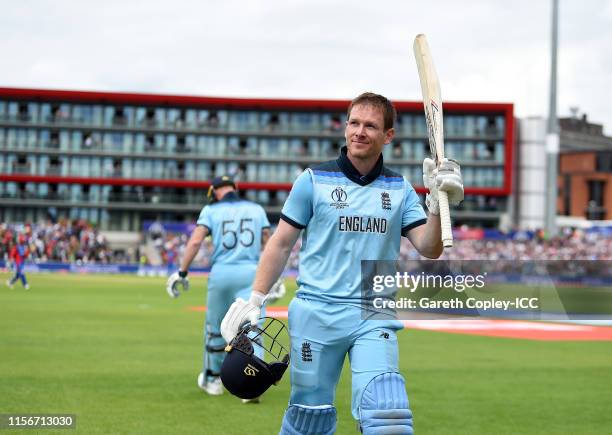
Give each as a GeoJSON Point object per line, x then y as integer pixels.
{"type": "Point", "coordinates": [339, 197]}
{"type": "Point", "coordinates": [385, 201]}
{"type": "Point", "coordinates": [306, 352]}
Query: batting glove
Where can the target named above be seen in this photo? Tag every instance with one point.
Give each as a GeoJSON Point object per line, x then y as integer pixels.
{"type": "Point", "coordinates": [178, 278]}
{"type": "Point", "coordinates": [447, 178]}
{"type": "Point", "coordinates": [277, 291]}
{"type": "Point", "coordinates": [240, 313]}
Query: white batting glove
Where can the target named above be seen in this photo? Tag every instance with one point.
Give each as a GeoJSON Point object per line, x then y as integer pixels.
{"type": "Point", "coordinates": [178, 278]}
{"type": "Point", "coordinates": [447, 178]}
{"type": "Point", "coordinates": [429, 181]}
{"type": "Point", "coordinates": [241, 312]}
{"type": "Point", "coordinates": [277, 291]}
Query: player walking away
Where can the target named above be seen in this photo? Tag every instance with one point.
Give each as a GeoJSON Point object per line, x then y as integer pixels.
{"type": "Point", "coordinates": [17, 256]}
{"type": "Point", "coordinates": [348, 210]}
{"type": "Point", "coordinates": [239, 229]}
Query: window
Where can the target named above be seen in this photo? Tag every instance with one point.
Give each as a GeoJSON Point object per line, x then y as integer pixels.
{"type": "Point", "coordinates": [595, 207]}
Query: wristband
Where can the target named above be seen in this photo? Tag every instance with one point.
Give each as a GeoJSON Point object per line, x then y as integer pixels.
{"type": "Point", "coordinates": [257, 298]}
{"type": "Point", "coordinates": [183, 273]}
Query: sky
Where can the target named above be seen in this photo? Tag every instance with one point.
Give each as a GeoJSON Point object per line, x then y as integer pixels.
{"type": "Point", "coordinates": [484, 50]}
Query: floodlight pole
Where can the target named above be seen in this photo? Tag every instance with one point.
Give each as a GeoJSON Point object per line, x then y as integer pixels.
{"type": "Point", "coordinates": [552, 132]}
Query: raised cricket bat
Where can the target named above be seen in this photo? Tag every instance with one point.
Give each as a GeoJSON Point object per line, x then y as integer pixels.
{"type": "Point", "coordinates": [432, 100]}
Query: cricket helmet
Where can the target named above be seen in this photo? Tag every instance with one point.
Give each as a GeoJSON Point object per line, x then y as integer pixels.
{"type": "Point", "coordinates": [217, 182]}
{"type": "Point", "coordinates": [247, 375]}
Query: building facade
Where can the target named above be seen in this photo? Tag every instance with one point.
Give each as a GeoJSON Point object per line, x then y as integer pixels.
{"type": "Point", "coordinates": [585, 170]}
{"type": "Point", "coordinates": [584, 183]}
{"type": "Point", "coordinates": [120, 160]}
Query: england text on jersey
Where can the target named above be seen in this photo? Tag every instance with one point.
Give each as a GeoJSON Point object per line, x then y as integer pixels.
{"type": "Point", "coordinates": [362, 224]}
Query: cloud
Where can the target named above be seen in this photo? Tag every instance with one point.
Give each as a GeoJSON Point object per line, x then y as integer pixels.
{"type": "Point", "coordinates": [484, 50]}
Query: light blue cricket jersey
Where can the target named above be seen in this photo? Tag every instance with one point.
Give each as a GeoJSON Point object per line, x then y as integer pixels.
{"type": "Point", "coordinates": [347, 218]}
{"type": "Point", "coordinates": [235, 226]}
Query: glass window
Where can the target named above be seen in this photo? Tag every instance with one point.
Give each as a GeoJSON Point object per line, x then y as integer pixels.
{"type": "Point", "coordinates": [11, 189]}
{"type": "Point", "coordinates": [140, 115]}
{"type": "Point", "coordinates": [136, 168]}
{"type": "Point", "coordinates": [251, 172]}
{"type": "Point", "coordinates": [109, 113]}
{"type": "Point", "coordinates": [147, 169]}
{"type": "Point", "coordinates": [263, 197]}
{"type": "Point", "coordinates": [33, 112]}
{"type": "Point", "coordinates": [499, 152]}
{"type": "Point", "coordinates": [117, 142]}
{"type": "Point", "coordinates": [95, 167]}
{"type": "Point", "coordinates": [31, 167]}
{"type": "Point", "coordinates": [171, 142]}
{"type": "Point", "coordinates": [139, 143]}
{"type": "Point", "coordinates": [469, 151]}
{"type": "Point", "coordinates": [98, 115]}
{"type": "Point", "coordinates": [173, 117]}
{"type": "Point", "coordinates": [220, 169]}
{"type": "Point", "coordinates": [301, 121]}
{"type": "Point", "coordinates": [203, 118]}
{"type": "Point", "coordinates": [43, 164]}
{"type": "Point", "coordinates": [13, 110]}
{"type": "Point", "coordinates": [204, 171]}
{"type": "Point", "coordinates": [63, 113]}
{"type": "Point", "coordinates": [128, 142]}
{"type": "Point", "coordinates": [130, 114]}
{"type": "Point", "coordinates": [107, 167]}
{"type": "Point", "coordinates": [221, 148]}
{"type": "Point", "coordinates": [11, 137]}
{"type": "Point", "coordinates": [22, 138]}
{"type": "Point", "coordinates": [76, 193]}
{"type": "Point", "coordinates": [43, 138]}
{"type": "Point", "coordinates": [157, 169]}
{"type": "Point", "coordinates": [77, 113]}
{"type": "Point", "coordinates": [160, 118]}
{"type": "Point", "coordinates": [32, 140]}
{"type": "Point", "coordinates": [43, 190]}
{"type": "Point", "coordinates": [45, 112]}
{"type": "Point", "coordinates": [77, 140]}
{"type": "Point", "coordinates": [191, 118]}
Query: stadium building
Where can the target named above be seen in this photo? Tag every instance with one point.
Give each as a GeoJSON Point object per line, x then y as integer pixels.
{"type": "Point", "coordinates": [120, 160]}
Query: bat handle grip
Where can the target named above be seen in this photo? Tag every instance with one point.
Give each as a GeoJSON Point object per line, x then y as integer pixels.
{"type": "Point", "coordinates": [445, 221]}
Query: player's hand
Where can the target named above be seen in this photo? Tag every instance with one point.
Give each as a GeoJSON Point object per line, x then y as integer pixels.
{"type": "Point", "coordinates": [446, 177]}
{"type": "Point", "coordinates": [277, 291]}
{"type": "Point", "coordinates": [449, 180]}
{"type": "Point", "coordinates": [241, 312]}
{"type": "Point", "coordinates": [178, 278]}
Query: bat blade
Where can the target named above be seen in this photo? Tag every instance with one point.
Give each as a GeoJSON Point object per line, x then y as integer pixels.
{"type": "Point", "coordinates": [432, 102]}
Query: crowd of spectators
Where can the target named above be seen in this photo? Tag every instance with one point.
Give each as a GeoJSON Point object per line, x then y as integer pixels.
{"type": "Point", "coordinates": [63, 241]}
{"type": "Point", "coordinates": [570, 244]}
{"type": "Point", "coordinates": [78, 241]}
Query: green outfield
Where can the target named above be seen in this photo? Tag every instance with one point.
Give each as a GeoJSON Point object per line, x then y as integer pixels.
{"type": "Point", "coordinates": [121, 355]}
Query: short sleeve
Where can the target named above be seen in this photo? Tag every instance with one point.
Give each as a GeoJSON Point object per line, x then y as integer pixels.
{"type": "Point", "coordinates": [297, 210]}
{"type": "Point", "coordinates": [204, 219]}
{"type": "Point", "coordinates": [413, 214]}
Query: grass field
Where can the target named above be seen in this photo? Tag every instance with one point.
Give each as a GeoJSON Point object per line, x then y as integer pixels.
{"type": "Point", "coordinates": [123, 357]}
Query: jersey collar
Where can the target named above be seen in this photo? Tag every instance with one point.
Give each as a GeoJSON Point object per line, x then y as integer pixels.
{"type": "Point", "coordinates": [353, 174]}
{"type": "Point", "coordinates": [230, 197]}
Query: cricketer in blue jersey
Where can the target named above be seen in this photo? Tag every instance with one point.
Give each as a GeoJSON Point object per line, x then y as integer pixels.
{"type": "Point", "coordinates": [239, 229]}
{"type": "Point", "coordinates": [348, 210]}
